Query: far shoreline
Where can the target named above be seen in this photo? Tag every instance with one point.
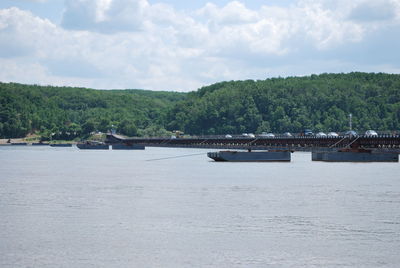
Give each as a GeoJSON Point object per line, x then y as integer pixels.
{"type": "Point", "coordinates": [29, 141]}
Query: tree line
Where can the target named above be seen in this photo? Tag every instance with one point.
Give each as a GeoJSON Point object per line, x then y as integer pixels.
{"type": "Point", "coordinates": [319, 102]}
{"type": "Point", "coordinates": [69, 112]}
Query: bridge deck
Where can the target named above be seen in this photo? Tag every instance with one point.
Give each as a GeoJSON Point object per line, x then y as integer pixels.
{"type": "Point", "coordinates": [386, 141]}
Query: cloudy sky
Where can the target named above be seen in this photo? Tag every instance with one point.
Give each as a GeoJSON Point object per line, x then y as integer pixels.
{"type": "Point", "coordinates": [183, 45]}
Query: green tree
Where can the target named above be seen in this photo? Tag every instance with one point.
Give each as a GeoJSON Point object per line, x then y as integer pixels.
{"type": "Point", "coordinates": [128, 128]}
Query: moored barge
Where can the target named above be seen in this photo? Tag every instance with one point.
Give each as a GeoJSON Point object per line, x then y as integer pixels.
{"type": "Point", "coordinates": [93, 146]}
{"type": "Point", "coordinates": [355, 155]}
{"type": "Point", "coordinates": [249, 156]}
{"type": "Point", "coordinates": [61, 145]}
{"type": "Point", "coordinates": [123, 146]}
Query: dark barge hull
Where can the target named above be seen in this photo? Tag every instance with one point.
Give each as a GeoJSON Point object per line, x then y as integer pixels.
{"type": "Point", "coordinates": [236, 156]}
{"type": "Point", "coordinates": [61, 145]}
{"type": "Point", "coordinates": [93, 146]}
{"type": "Point", "coordinates": [355, 156]}
{"type": "Point", "coordinates": [122, 146]}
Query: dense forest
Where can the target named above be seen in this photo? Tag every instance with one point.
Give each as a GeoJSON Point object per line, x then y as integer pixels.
{"type": "Point", "coordinates": [320, 102]}
{"type": "Point", "coordinates": [68, 113]}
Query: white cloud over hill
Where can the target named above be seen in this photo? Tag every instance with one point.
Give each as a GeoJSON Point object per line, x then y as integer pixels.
{"type": "Point", "coordinates": [135, 44]}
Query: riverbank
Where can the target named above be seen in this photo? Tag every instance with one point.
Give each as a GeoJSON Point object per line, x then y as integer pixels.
{"type": "Point", "coordinates": [7, 141]}
{"type": "Point", "coordinates": [33, 138]}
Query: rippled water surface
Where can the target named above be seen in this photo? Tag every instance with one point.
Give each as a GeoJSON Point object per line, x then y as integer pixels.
{"type": "Point", "coordinates": [61, 207]}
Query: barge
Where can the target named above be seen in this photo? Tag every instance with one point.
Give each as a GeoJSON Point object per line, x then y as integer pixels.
{"type": "Point", "coordinates": [40, 144]}
{"type": "Point", "coordinates": [123, 146]}
{"type": "Point", "coordinates": [249, 156]}
{"type": "Point", "coordinates": [93, 146]}
{"type": "Point", "coordinates": [354, 155]}
{"type": "Point", "coordinates": [61, 145]}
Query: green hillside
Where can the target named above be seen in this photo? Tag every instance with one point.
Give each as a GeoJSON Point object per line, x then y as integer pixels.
{"type": "Point", "coordinates": [320, 102]}
{"type": "Point", "coordinates": [75, 112]}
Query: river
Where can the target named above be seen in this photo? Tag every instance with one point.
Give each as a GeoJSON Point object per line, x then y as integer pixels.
{"type": "Point", "coordinates": [62, 207]}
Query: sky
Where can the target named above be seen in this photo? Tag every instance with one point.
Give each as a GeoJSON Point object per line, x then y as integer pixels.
{"type": "Point", "coordinates": [184, 45]}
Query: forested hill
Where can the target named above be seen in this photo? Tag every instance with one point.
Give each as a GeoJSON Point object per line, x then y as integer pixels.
{"type": "Point", "coordinates": [75, 112]}
{"type": "Point", "coordinates": [320, 102]}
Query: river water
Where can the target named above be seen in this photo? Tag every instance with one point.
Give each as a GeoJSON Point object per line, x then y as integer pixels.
{"type": "Point", "coordinates": [61, 207]}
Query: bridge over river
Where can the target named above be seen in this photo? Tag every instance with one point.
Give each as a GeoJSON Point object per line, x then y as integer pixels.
{"type": "Point", "coordinates": [296, 143]}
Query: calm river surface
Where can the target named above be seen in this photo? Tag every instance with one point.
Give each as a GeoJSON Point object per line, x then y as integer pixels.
{"type": "Point", "coordinates": [61, 207]}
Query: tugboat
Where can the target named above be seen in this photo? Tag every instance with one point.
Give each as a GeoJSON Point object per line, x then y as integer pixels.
{"type": "Point", "coordinates": [249, 156]}
{"type": "Point", "coordinates": [93, 145]}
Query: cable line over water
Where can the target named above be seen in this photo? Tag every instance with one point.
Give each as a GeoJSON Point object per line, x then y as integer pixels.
{"type": "Point", "coordinates": [171, 157]}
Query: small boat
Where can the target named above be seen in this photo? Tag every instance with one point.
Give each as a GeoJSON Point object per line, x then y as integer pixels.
{"type": "Point", "coordinates": [19, 143]}
{"type": "Point", "coordinates": [355, 155]}
{"type": "Point", "coordinates": [61, 145]}
{"type": "Point", "coordinates": [93, 145]}
{"type": "Point", "coordinates": [123, 146]}
{"type": "Point", "coordinates": [249, 156]}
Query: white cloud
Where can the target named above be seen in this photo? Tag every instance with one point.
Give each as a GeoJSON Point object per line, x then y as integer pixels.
{"type": "Point", "coordinates": [133, 44]}
{"type": "Point", "coordinates": [233, 13]}
{"type": "Point", "coordinates": [378, 10]}
{"type": "Point", "coordinates": [22, 34]}
{"type": "Point", "coordinates": [104, 15]}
